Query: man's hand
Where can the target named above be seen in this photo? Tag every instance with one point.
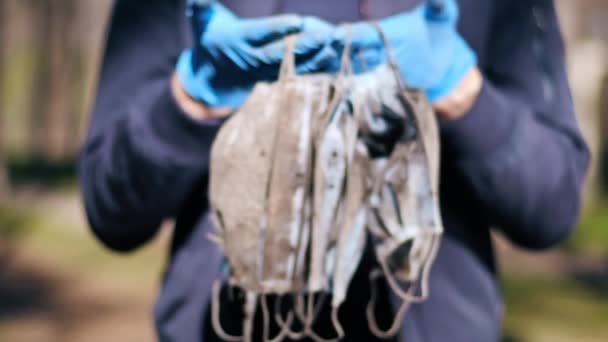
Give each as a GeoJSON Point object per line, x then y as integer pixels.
{"type": "Point", "coordinates": [192, 107]}
{"type": "Point", "coordinates": [231, 54]}
{"type": "Point", "coordinates": [457, 103]}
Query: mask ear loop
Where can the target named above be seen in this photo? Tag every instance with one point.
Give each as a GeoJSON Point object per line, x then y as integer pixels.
{"type": "Point", "coordinates": [371, 316]}
{"type": "Point", "coordinates": [251, 302]}
{"type": "Point", "coordinates": [285, 324]}
{"type": "Point", "coordinates": [312, 317]}
{"type": "Point", "coordinates": [288, 66]}
{"type": "Point", "coordinates": [346, 67]}
{"type": "Point", "coordinates": [390, 55]}
{"type": "Point", "coordinates": [307, 318]}
{"type": "Point", "coordinates": [426, 270]}
{"type": "Point", "coordinates": [215, 315]}
{"type": "Point", "coordinates": [266, 317]}
{"type": "Point", "coordinates": [302, 310]}
{"type": "Point", "coordinates": [408, 297]}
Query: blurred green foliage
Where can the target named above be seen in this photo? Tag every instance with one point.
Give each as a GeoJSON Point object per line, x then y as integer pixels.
{"type": "Point", "coordinates": [554, 309]}
{"type": "Point", "coordinates": [18, 76]}
{"type": "Point", "coordinates": [591, 235]}
{"type": "Point", "coordinates": [15, 222]}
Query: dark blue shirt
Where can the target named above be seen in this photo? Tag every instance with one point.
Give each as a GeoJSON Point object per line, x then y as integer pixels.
{"type": "Point", "coordinates": [515, 162]}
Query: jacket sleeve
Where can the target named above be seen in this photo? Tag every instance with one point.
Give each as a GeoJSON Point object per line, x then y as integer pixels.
{"type": "Point", "coordinates": [143, 156]}
{"type": "Point", "coordinates": [519, 150]}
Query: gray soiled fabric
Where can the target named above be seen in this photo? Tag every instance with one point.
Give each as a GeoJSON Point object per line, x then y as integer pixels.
{"type": "Point", "coordinates": [296, 181]}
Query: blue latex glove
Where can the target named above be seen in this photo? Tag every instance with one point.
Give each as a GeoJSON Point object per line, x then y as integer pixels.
{"type": "Point", "coordinates": [231, 54]}
{"type": "Point", "coordinates": [429, 51]}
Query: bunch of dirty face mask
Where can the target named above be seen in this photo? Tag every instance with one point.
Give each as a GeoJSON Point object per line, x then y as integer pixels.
{"type": "Point", "coordinates": [305, 174]}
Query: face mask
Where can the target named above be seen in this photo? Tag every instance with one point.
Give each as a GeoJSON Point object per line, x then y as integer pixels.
{"type": "Point", "coordinates": [310, 169]}
{"type": "Point", "coordinates": [404, 220]}
{"type": "Point", "coordinates": [260, 184]}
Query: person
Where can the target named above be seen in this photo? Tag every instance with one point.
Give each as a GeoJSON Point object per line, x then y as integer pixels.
{"type": "Point", "coordinates": [512, 155]}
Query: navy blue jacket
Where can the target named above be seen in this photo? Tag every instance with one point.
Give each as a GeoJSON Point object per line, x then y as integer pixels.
{"type": "Point", "coordinates": [515, 162]}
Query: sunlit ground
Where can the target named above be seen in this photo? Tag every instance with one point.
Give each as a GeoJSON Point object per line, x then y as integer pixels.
{"type": "Point", "coordinates": [555, 310]}
{"type": "Point", "coordinates": [60, 285]}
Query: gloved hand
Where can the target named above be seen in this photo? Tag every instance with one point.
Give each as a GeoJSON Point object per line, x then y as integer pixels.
{"type": "Point", "coordinates": [430, 53]}
{"type": "Point", "coordinates": [232, 54]}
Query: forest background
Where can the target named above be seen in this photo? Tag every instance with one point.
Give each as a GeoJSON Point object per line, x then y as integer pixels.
{"type": "Point", "coordinates": [58, 284]}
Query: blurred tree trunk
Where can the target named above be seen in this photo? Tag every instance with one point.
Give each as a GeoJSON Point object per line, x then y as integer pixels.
{"type": "Point", "coordinates": [53, 92]}
{"type": "Point", "coordinates": [3, 38]}
{"type": "Point", "coordinates": [71, 141]}
{"type": "Point", "coordinates": [40, 96]}
{"type": "Point", "coordinates": [93, 20]}
{"type": "Point", "coordinates": [64, 76]}
{"type": "Point", "coordinates": [586, 69]}
{"type": "Point", "coordinates": [79, 51]}
{"type": "Point", "coordinates": [604, 136]}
